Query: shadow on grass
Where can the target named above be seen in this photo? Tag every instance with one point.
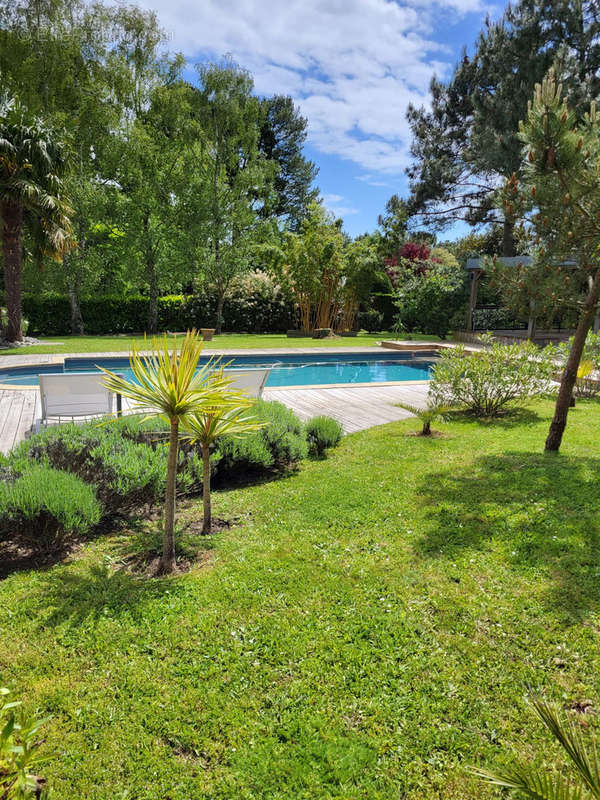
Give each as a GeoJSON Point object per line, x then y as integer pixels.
{"type": "Point", "coordinates": [545, 508]}
{"type": "Point", "coordinates": [512, 417]}
{"type": "Point", "coordinates": [82, 597]}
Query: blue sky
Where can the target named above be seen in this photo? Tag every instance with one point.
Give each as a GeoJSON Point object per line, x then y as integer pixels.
{"type": "Point", "coordinates": [351, 65]}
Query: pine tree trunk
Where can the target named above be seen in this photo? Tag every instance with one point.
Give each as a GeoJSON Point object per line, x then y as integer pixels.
{"type": "Point", "coordinates": [167, 561]}
{"type": "Point", "coordinates": [207, 523]}
{"type": "Point", "coordinates": [569, 376]}
{"type": "Point", "coordinates": [12, 251]}
{"type": "Point", "coordinates": [508, 238]}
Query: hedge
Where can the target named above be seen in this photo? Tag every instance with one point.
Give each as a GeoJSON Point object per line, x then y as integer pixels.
{"type": "Point", "coordinates": [50, 314]}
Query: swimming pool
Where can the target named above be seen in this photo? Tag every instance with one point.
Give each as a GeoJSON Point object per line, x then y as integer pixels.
{"type": "Point", "coordinates": [316, 369]}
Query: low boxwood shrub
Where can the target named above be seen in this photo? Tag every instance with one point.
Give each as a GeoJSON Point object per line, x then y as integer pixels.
{"type": "Point", "coordinates": [43, 504]}
{"type": "Point", "coordinates": [323, 433]}
{"type": "Point", "coordinates": [484, 382]}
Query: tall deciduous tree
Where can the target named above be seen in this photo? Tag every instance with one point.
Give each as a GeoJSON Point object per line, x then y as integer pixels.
{"type": "Point", "coordinates": [230, 180]}
{"type": "Point", "coordinates": [150, 172]}
{"type": "Point", "coordinates": [467, 143]}
{"type": "Point", "coordinates": [32, 161]}
{"type": "Point", "coordinates": [562, 188]}
{"type": "Point", "coordinates": [90, 69]}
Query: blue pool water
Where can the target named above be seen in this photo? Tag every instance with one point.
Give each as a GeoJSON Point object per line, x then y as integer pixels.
{"type": "Point", "coordinates": [286, 370]}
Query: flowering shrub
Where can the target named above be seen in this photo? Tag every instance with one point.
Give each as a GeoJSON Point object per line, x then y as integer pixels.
{"type": "Point", "coordinates": [485, 382]}
{"type": "Point", "coordinates": [428, 298]}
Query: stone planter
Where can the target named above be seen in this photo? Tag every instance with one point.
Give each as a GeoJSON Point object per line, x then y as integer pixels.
{"type": "Point", "coordinates": [321, 333]}
{"type": "Point", "coordinates": [298, 334]}
{"type": "Point", "coordinates": [207, 334]}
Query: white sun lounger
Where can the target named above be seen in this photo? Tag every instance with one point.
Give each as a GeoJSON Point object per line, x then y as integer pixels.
{"type": "Point", "coordinates": [250, 381]}
{"type": "Point", "coordinates": [75, 394]}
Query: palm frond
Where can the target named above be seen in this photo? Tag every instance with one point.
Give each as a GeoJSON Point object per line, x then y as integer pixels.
{"type": "Point", "coordinates": [169, 383]}
{"type": "Point", "coordinates": [532, 783]}
{"type": "Point", "coordinates": [570, 739]}
{"type": "Point", "coordinates": [547, 785]}
{"type": "Point", "coordinates": [229, 418]}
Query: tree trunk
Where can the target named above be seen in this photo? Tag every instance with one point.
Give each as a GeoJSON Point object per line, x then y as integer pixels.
{"type": "Point", "coordinates": [508, 238]}
{"type": "Point", "coordinates": [207, 523]}
{"type": "Point", "coordinates": [12, 252]}
{"type": "Point", "coordinates": [569, 376]}
{"type": "Point", "coordinates": [74, 282]}
{"type": "Point", "coordinates": [426, 428]}
{"type": "Point", "coordinates": [219, 319]}
{"type": "Point", "coordinates": [152, 323]}
{"type": "Point", "coordinates": [76, 318]}
{"type": "Point", "coordinates": [167, 561]}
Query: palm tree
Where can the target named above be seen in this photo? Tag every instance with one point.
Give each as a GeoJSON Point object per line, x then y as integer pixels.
{"type": "Point", "coordinates": [542, 785]}
{"type": "Point", "coordinates": [205, 426]}
{"type": "Point", "coordinates": [170, 385]}
{"type": "Point", "coordinates": [31, 196]}
{"type": "Point", "coordinates": [427, 415]}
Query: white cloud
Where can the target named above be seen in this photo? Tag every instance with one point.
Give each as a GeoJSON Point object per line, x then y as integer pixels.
{"type": "Point", "coordinates": [334, 203]}
{"type": "Point", "coordinates": [352, 65]}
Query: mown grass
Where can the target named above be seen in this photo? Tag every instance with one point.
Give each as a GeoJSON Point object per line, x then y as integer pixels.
{"type": "Point", "coordinates": [367, 630]}
{"type": "Point", "coordinates": [226, 341]}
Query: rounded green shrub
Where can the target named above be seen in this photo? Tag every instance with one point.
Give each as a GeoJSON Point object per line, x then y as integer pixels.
{"type": "Point", "coordinates": [43, 504]}
{"type": "Point", "coordinates": [279, 446]}
{"type": "Point", "coordinates": [323, 433]}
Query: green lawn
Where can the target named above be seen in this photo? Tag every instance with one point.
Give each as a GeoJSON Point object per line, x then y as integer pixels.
{"type": "Point", "coordinates": [227, 341]}
{"type": "Point", "coordinates": [367, 630]}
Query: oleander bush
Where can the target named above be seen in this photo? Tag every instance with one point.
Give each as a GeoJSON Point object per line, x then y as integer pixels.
{"type": "Point", "coordinates": [587, 384]}
{"type": "Point", "coordinates": [484, 382]}
{"type": "Point", "coordinates": [43, 504]}
{"type": "Point", "coordinates": [323, 433]}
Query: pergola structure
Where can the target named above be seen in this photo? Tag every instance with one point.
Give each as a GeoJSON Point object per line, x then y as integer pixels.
{"type": "Point", "coordinates": [475, 269]}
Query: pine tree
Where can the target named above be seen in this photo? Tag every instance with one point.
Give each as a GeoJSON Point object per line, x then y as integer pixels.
{"type": "Point", "coordinates": [282, 138]}
{"type": "Point", "coordinates": [468, 141]}
{"type": "Point", "coordinates": [561, 191]}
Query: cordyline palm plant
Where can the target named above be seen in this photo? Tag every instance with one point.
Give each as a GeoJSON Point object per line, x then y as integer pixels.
{"type": "Point", "coordinates": [170, 385]}
{"type": "Point", "coordinates": [542, 785]}
{"type": "Point", "coordinates": [229, 416]}
{"type": "Point", "coordinates": [31, 196]}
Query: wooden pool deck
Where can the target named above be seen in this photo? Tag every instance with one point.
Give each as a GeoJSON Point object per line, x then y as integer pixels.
{"type": "Point", "coordinates": [355, 407]}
